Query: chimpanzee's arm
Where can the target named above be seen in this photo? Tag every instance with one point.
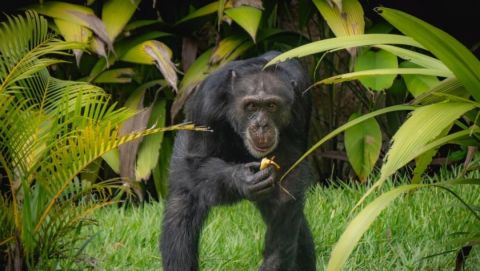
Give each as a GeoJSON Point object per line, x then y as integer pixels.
{"type": "Point", "coordinates": [213, 180]}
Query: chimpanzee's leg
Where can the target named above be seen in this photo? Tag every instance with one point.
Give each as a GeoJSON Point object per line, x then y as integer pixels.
{"type": "Point", "coordinates": [306, 248]}
{"type": "Point", "coordinates": [284, 221]}
{"type": "Point", "coordinates": [182, 224]}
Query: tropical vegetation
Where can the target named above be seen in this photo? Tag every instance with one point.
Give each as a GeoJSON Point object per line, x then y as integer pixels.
{"type": "Point", "coordinates": [87, 89]}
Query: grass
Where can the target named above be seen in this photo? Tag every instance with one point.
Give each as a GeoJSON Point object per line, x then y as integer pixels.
{"type": "Point", "coordinates": [414, 227]}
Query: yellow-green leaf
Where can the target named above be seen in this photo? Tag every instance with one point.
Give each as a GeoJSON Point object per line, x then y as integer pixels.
{"type": "Point", "coordinates": [415, 57]}
{"type": "Point", "coordinates": [426, 123]}
{"type": "Point", "coordinates": [149, 149]}
{"type": "Point", "coordinates": [203, 11]}
{"type": "Point", "coordinates": [76, 14]}
{"type": "Point", "coordinates": [417, 84]}
{"type": "Point", "coordinates": [74, 32]}
{"type": "Point", "coordinates": [116, 14]}
{"type": "Point", "coordinates": [459, 59]}
{"type": "Point", "coordinates": [370, 60]}
{"type": "Point", "coordinates": [112, 158]}
{"type": "Point", "coordinates": [246, 17]}
{"type": "Point", "coordinates": [345, 19]}
{"type": "Point", "coordinates": [160, 172]}
{"type": "Point", "coordinates": [154, 52]}
{"type": "Point", "coordinates": [363, 143]}
{"type": "Point", "coordinates": [194, 75]}
{"type": "Point", "coordinates": [121, 75]}
{"type": "Point", "coordinates": [359, 225]}
{"type": "Point", "coordinates": [344, 127]}
{"type": "Point", "coordinates": [450, 86]}
{"type": "Point", "coordinates": [369, 73]}
{"type": "Point", "coordinates": [226, 47]}
{"type": "Point", "coordinates": [343, 43]}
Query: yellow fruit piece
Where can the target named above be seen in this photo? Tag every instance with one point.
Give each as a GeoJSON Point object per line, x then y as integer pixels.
{"type": "Point", "coordinates": [267, 162]}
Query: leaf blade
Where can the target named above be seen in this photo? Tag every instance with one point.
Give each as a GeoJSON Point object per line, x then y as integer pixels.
{"type": "Point", "coordinates": [116, 14]}
{"type": "Point", "coordinates": [370, 60]}
{"type": "Point", "coordinates": [343, 43]}
{"type": "Point", "coordinates": [363, 143]}
{"type": "Point", "coordinates": [247, 17]}
{"type": "Point", "coordinates": [450, 51]}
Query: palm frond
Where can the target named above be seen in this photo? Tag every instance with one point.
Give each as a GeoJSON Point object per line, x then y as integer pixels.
{"type": "Point", "coordinates": [23, 41]}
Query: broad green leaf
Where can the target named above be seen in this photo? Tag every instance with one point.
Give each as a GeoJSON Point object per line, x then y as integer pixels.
{"type": "Point", "coordinates": [99, 67]}
{"type": "Point", "coordinates": [113, 157]}
{"type": "Point", "coordinates": [220, 9]}
{"type": "Point", "coordinates": [343, 43]}
{"type": "Point", "coordinates": [116, 14]}
{"type": "Point", "coordinates": [124, 45]}
{"type": "Point", "coordinates": [411, 140]}
{"type": "Point", "coordinates": [426, 123]}
{"type": "Point", "coordinates": [203, 11]}
{"type": "Point", "coordinates": [345, 127]}
{"type": "Point", "coordinates": [154, 52]}
{"type": "Point", "coordinates": [370, 60]}
{"type": "Point", "coordinates": [121, 75]}
{"type": "Point", "coordinates": [357, 75]}
{"type": "Point", "coordinates": [113, 160]}
{"type": "Point", "coordinates": [240, 50]}
{"type": "Point", "coordinates": [149, 149]}
{"type": "Point", "coordinates": [448, 86]}
{"type": "Point", "coordinates": [363, 143]}
{"type": "Point", "coordinates": [226, 47]}
{"type": "Point", "coordinates": [415, 57]}
{"type": "Point", "coordinates": [140, 23]}
{"type": "Point", "coordinates": [76, 14]}
{"type": "Point", "coordinates": [447, 49]}
{"type": "Point", "coordinates": [160, 172]}
{"type": "Point", "coordinates": [246, 17]}
{"type": "Point", "coordinates": [197, 71]}
{"type": "Point", "coordinates": [194, 75]}
{"type": "Point", "coordinates": [74, 32]}
{"type": "Point", "coordinates": [451, 138]}
{"type": "Point", "coordinates": [421, 164]}
{"type": "Point", "coordinates": [98, 46]}
{"type": "Point", "coordinates": [379, 28]}
{"type": "Point", "coordinates": [360, 224]}
{"type": "Point", "coordinates": [345, 19]}
{"type": "Point", "coordinates": [417, 84]}
{"type": "Point", "coordinates": [425, 159]}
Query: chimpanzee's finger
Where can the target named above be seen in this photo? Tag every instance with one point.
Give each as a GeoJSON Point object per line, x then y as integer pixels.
{"type": "Point", "coordinates": [268, 182]}
{"type": "Point", "coordinates": [253, 166]}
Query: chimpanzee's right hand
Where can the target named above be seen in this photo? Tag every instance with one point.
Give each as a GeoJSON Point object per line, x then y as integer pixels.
{"type": "Point", "coordinates": [253, 183]}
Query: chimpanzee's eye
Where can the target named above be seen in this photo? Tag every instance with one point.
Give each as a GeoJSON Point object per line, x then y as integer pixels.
{"type": "Point", "coordinates": [251, 107]}
{"type": "Point", "coordinates": [272, 107]}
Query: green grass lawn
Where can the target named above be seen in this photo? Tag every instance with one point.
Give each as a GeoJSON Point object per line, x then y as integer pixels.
{"type": "Point", "coordinates": [414, 227]}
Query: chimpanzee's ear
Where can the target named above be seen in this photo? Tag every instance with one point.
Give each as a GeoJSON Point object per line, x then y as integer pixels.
{"type": "Point", "coordinates": [232, 75]}
{"type": "Point", "coordinates": [294, 84]}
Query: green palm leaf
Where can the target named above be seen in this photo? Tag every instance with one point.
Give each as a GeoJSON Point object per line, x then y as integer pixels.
{"type": "Point", "coordinates": [51, 131]}
{"type": "Point", "coordinates": [23, 41]}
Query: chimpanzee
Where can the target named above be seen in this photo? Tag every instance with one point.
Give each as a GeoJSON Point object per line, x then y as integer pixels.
{"type": "Point", "coordinates": [254, 113]}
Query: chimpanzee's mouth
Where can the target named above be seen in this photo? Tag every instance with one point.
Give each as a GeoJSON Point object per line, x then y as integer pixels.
{"type": "Point", "coordinates": [260, 148]}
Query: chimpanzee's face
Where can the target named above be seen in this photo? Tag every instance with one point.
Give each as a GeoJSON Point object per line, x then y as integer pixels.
{"type": "Point", "coordinates": [261, 108]}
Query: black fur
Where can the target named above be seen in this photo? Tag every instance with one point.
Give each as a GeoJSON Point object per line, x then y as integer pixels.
{"type": "Point", "coordinates": [210, 169]}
